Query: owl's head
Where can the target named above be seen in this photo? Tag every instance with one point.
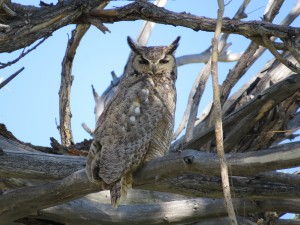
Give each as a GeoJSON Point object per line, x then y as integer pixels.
{"type": "Point", "coordinates": [154, 60]}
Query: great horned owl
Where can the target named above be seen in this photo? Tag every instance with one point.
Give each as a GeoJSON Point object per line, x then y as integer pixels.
{"type": "Point", "coordinates": [137, 124]}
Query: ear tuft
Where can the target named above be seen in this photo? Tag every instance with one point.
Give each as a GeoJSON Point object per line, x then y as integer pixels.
{"type": "Point", "coordinates": [134, 47]}
{"type": "Point", "coordinates": [173, 46]}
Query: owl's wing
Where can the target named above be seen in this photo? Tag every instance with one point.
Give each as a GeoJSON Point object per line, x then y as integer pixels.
{"type": "Point", "coordinates": [125, 130]}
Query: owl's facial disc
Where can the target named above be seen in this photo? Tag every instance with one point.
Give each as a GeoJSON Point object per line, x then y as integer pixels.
{"type": "Point", "coordinates": [158, 65]}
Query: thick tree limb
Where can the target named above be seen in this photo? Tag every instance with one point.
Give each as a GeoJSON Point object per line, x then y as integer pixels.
{"type": "Point", "coordinates": [147, 11]}
{"type": "Point", "coordinates": [32, 23]}
{"type": "Point", "coordinates": [43, 21]}
{"type": "Point", "coordinates": [189, 161]}
{"type": "Point", "coordinates": [28, 200]}
{"type": "Point", "coordinates": [201, 210]}
{"type": "Point", "coordinates": [187, 211]}
{"type": "Point", "coordinates": [77, 184]}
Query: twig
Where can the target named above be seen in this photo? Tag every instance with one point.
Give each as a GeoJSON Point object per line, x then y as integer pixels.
{"type": "Point", "coordinates": [97, 23]}
{"type": "Point", "coordinates": [218, 118]}
{"type": "Point", "coordinates": [23, 53]}
{"type": "Point", "coordinates": [278, 56]}
{"type": "Point", "coordinates": [6, 81]}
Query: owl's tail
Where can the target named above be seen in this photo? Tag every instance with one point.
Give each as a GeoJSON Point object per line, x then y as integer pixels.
{"type": "Point", "coordinates": [118, 191]}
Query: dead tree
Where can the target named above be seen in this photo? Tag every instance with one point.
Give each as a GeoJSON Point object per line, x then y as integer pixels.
{"type": "Point", "coordinates": [185, 186]}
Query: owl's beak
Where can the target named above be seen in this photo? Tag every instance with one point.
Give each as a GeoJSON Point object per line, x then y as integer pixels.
{"type": "Point", "coordinates": [154, 69]}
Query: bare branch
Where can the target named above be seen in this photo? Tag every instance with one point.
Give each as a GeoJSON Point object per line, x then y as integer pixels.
{"type": "Point", "coordinates": [98, 24]}
{"type": "Point", "coordinates": [6, 81]}
{"type": "Point", "coordinates": [272, 9]}
{"type": "Point", "coordinates": [190, 161]}
{"type": "Point", "coordinates": [145, 10]}
{"type": "Point", "coordinates": [269, 97]}
{"type": "Point", "coordinates": [253, 52]}
{"type": "Point", "coordinates": [218, 117]}
{"type": "Point", "coordinates": [195, 94]}
{"type": "Point", "coordinates": [28, 200]}
{"type": "Point", "coordinates": [273, 50]}
{"type": "Point", "coordinates": [65, 86]}
{"type": "Point", "coordinates": [23, 54]}
{"type": "Point", "coordinates": [196, 97]}
{"type": "Point", "coordinates": [203, 57]}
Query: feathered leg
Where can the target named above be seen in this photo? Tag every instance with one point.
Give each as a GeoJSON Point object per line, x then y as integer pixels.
{"type": "Point", "coordinates": [118, 192]}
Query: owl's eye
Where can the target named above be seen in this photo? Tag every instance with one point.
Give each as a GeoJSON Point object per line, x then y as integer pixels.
{"type": "Point", "coordinates": [164, 61]}
{"type": "Point", "coordinates": [143, 61]}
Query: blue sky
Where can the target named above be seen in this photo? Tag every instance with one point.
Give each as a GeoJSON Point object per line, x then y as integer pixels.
{"type": "Point", "coordinates": [30, 101]}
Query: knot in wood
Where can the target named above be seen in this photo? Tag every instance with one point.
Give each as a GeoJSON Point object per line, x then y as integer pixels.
{"type": "Point", "coordinates": [189, 159]}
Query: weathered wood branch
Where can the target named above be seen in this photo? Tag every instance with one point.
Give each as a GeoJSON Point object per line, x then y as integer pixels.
{"type": "Point", "coordinates": [261, 185]}
{"type": "Point", "coordinates": [202, 210]}
{"type": "Point", "coordinates": [66, 83]}
{"type": "Point", "coordinates": [29, 200]}
{"type": "Point", "coordinates": [190, 161]}
{"type": "Point", "coordinates": [32, 23]}
{"type": "Point", "coordinates": [147, 11]}
{"type": "Point", "coordinates": [258, 106]}
{"type": "Point", "coordinates": [77, 184]}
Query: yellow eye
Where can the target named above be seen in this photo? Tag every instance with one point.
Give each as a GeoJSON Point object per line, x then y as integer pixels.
{"type": "Point", "coordinates": [164, 61]}
{"type": "Point", "coordinates": [143, 61]}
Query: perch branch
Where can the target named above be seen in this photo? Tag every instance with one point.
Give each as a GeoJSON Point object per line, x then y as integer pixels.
{"type": "Point", "coordinates": [29, 200]}
{"type": "Point", "coordinates": [12, 163]}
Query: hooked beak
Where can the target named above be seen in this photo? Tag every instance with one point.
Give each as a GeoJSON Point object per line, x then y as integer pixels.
{"type": "Point", "coordinates": [154, 69]}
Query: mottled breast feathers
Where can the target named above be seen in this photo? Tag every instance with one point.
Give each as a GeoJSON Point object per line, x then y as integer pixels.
{"type": "Point", "coordinates": [137, 124]}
